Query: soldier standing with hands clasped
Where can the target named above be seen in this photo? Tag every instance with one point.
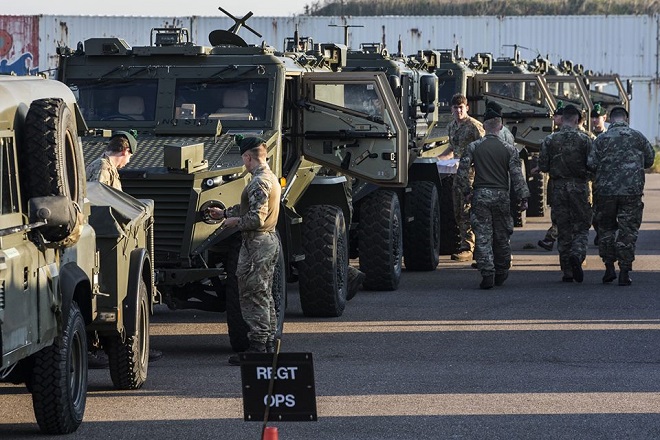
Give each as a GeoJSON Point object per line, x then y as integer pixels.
{"type": "Point", "coordinates": [619, 157]}
{"type": "Point", "coordinates": [497, 166]}
{"type": "Point", "coordinates": [564, 156]}
{"type": "Point", "coordinates": [256, 217]}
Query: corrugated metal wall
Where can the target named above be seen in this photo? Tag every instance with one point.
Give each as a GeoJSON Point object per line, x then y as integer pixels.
{"type": "Point", "coordinates": [627, 45]}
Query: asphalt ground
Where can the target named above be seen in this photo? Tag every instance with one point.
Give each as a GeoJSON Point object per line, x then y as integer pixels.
{"type": "Point", "coordinates": [437, 359]}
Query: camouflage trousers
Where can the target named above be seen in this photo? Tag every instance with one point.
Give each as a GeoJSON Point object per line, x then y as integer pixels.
{"type": "Point", "coordinates": [571, 212]}
{"type": "Point", "coordinates": [493, 225]}
{"type": "Point", "coordinates": [462, 215]}
{"type": "Point", "coordinates": [256, 264]}
{"type": "Point", "coordinates": [619, 219]}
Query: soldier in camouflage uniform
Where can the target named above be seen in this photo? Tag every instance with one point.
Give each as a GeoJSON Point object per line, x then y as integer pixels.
{"type": "Point", "coordinates": [462, 130]}
{"type": "Point", "coordinates": [256, 217]}
{"type": "Point", "coordinates": [564, 156]}
{"type": "Point", "coordinates": [598, 120]}
{"type": "Point", "coordinates": [619, 157]}
{"type": "Point", "coordinates": [497, 166]}
{"type": "Point", "coordinates": [120, 148]}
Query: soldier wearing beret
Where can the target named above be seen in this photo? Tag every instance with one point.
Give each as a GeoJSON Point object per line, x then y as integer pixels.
{"type": "Point", "coordinates": [256, 217]}
{"type": "Point", "coordinates": [118, 152]}
{"type": "Point", "coordinates": [462, 130]}
{"type": "Point", "coordinates": [598, 115]}
{"type": "Point", "coordinates": [496, 169]}
{"type": "Point", "coordinates": [564, 156]}
{"type": "Point", "coordinates": [618, 158]}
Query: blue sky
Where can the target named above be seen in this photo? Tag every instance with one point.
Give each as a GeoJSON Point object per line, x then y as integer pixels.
{"type": "Point", "coordinates": [166, 8]}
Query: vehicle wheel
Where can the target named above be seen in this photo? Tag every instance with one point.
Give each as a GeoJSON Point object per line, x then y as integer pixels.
{"type": "Point", "coordinates": [449, 235]}
{"type": "Point", "coordinates": [537, 191]}
{"type": "Point", "coordinates": [279, 291]}
{"type": "Point", "coordinates": [421, 238]}
{"type": "Point", "coordinates": [59, 378]}
{"type": "Point", "coordinates": [380, 240]}
{"type": "Point", "coordinates": [324, 271]}
{"type": "Point", "coordinates": [236, 325]}
{"type": "Point", "coordinates": [129, 356]}
{"type": "Point", "coordinates": [52, 157]}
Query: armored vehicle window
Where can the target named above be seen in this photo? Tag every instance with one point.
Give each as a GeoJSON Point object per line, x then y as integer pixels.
{"type": "Point", "coordinates": [238, 101]}
{"type": "Point", "coordinates": [565, 91]}
{"type": "Point", "coordinates": [606, 91]}
{"type": "Point", "coordinates": [362, 98]}
{"type": "Point", "coordinates": [8, 178]}
{"type": "Point", "coordinates": [116, 100]}
{"type": "Point", "coordinates": [527, 91]}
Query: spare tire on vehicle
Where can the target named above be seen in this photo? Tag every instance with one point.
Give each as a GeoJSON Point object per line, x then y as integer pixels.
{"type": "Point", "coordinates": [51, 160]}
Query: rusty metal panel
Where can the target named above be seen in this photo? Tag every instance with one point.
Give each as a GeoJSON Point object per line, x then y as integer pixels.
{"type": "Point", "coordinates": [19, 44]}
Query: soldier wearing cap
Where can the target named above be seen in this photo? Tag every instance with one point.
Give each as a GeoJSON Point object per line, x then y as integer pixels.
{"type": "Point", "coordinates": [564, 156]}
{"type": "Point", "coordinates": [117, 154]}
{"type": "Point", "coordinates": [619, 158]}
{"type": "Point", "coordinates": [256, 217]}
{"type": "Point", "coordinates": [496, 169]}
{"type": "Point", "coordinates": [462, 130]}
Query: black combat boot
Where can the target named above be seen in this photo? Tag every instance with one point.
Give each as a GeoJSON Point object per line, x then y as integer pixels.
{"type": "Point", "coordinates": [255, 347]}
{"type": "Point", "coordinates": [576, 266]}
{"type": "Point", "coordinates": [610, 273]}
{"type": "Point", "coordinates": [487, 282]}
{"type": "Point", "coordinates": [500, 278]}
{"type": "Point", "coordinates": [624, 277]}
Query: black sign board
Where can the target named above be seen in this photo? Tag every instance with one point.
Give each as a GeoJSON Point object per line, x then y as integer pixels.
{"type": "Point", "coordinates": [293, 398]}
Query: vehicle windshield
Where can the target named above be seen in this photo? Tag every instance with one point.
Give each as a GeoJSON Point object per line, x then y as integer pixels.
{"type": "Point", "coordinates": [606, 91]}
{"type": "Point", "coordinates": [528, 91]}
{"type": "Point", "coordinates": [116, 100]}
{"type": "Point", "coordinates": [358, 97]}
{"type": "Point", "coordinates": [446, 89]}
{"type": "Point", "coordinates": [239, 101]}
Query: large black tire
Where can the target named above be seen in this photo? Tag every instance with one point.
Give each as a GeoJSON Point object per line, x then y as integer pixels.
{"type": "Point", "coordinates": [537, 191]}
{"type": "Point", "coordinates": [279, 291]}
{"type": "Point", "coordinates": [421, 238]}
{"type": "Point", "coordinates": [129, 355]}
{"type": "Point", "coordinates": [59, 378]}
{"type": "Point", "coordinates": [381, 240]}
{"type": "Point", "coordinates": [449, 235]}
{"type": "Point", "coordinates": [323, 274]}
{"type": "Point", "coordinates": [236, 325]}
{"type": "Point", "coordinates": [52, 158]}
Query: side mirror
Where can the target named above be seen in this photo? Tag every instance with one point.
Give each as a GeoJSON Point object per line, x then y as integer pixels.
{"type": "Point", "coordinates": [428, 90]}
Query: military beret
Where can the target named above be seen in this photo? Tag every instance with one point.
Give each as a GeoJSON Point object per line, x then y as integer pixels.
{"type": "Point", "coordinates": [571, 110]}
{"type": "Point", "coordinates": [130, 137]}
{"type": "Point", "coordinates": [491, 114]}
{"type": "Point", "coordinates": [616, 111]}
{"type": "Point", "coordinates": [597, 111]}
{"type": "Point", "coordinates": [248, 143]}
{"type": "Point", "coordinates": [494, 106]}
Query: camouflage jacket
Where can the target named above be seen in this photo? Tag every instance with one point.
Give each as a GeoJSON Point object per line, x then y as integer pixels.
{"type": "Point", "coordinates": [507, 136]}
{"type": "Point", "coordinates": [104, 171]}
{"type": "Point", "coordinates": [564, 154]}
{"type": "Point", "coordinates": [260, 202]}
{"type": "Point", "coordinates": [619, 157]}
{"type": "Point", "coordinates": [496, 164]}
{"type": "Point", "coordinates": [462, 133]}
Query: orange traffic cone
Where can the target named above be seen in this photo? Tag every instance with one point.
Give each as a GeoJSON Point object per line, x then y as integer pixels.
{"type": "Point", "coordinates": [270, 433]}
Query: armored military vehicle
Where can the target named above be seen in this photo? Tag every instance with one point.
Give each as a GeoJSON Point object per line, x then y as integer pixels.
{"type": "Point", "coordinates": [187, 101]}
{"type": "Point", "coordinates": [53, 293]}
{"type": "Point", "coordinates": [418, 220]}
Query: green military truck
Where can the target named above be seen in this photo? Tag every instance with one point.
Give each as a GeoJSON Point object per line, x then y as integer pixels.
{"type": "Point", "coordinates": [54, 297]}
{"type": "Point", "coordinates": [187, 101]}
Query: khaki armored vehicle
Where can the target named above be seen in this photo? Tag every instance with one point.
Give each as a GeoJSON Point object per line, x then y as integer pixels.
{"type": "Point", "coordinates": [187, 101]}
{"type": "Point", "coordinates": [54, 298]}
